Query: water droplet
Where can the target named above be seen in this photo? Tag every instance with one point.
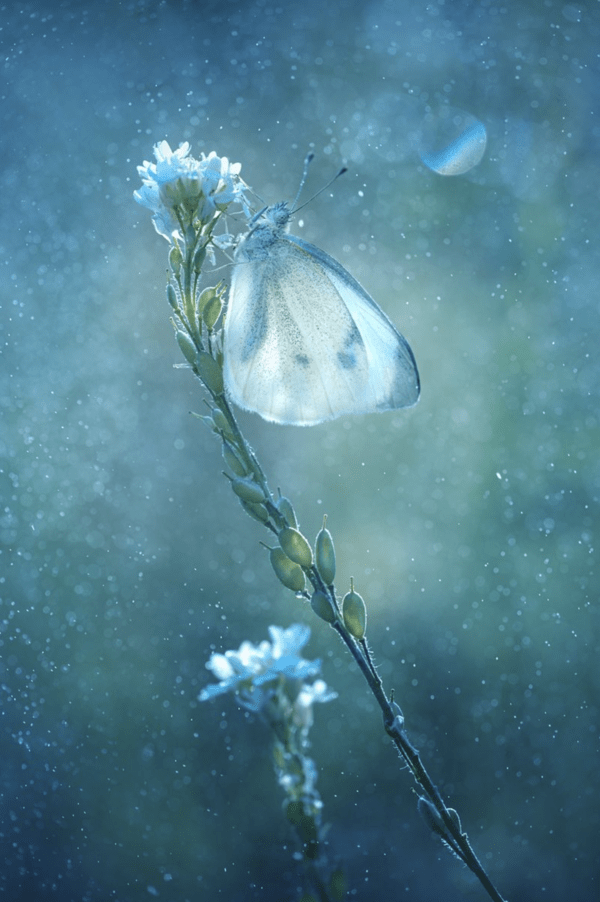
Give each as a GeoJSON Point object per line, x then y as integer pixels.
{"type": "Point", "coordinates": [452, 142]}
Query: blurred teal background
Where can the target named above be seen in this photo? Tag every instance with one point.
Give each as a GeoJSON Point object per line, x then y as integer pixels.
{"type": "Point", "coordinates": [469, 523]}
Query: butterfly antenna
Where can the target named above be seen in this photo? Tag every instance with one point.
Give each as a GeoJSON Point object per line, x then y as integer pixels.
{"type": "Point", "coordinates": [307, 162]}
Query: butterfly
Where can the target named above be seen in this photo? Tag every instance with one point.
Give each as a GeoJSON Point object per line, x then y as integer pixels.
{"type": "Point", "coordinates": [303, 341]}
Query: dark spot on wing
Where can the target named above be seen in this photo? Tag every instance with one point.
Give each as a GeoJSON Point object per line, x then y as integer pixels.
{"type": "Point", "coordinates": [347, 357]}
{"type": "Point", "coordinates": [302, 360]}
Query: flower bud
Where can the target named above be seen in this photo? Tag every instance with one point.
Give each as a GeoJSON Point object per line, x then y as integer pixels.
{"type": "Point", "coordinates": [208, 420]}
{"type": "Point", "coordinates": [211, 312]}
{"type": "Point", "coordinates": [210, 372]}
{"type": "Point", "coordinates": [284, 506]}
{"type": "Point", "coordinates": [323, 607]}
{"type": "Point", "coordinates": [256, 511]}
{"type": "Point", "coordinates": [172, 297]}
{"type": "Point", "coordinates": [454, 817]}
{"type": "Point", "coordinates": [248, 490]}
{"type": "Point", "coordinates": [203, 299]}
{"type": "Point", "coordinates": [189, 235]}
{"type": "Point", "coordinates": [355, 613]}
{"type": "Point", "coordinates": [399, 716]}
{"type": "Point", "coordinates": [199, 258]}
{"type": "Point", "coordinates": [232, 459]}
{"type": "Point", "coordinates": [325, 555]}
{"type": "Point", "coordinates": [221, 422]}
{"type": "Point", "coordinates": [175, 259]}
{"type": "Point", "coordinates": [289, 573]}
{"type": "Point", "coordinates": [187, 347]}
{"type": "Point", "coordinates": [431, 816]}
{"type": "Point", "coordinates": [295, 546]}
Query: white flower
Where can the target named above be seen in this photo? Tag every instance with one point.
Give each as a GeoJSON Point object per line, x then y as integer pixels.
{"type": "Point", "coordinates": [308, 695]}
{"type": "Point", "coordinates": [221, 178]}
{"type": "Point", "coordinates": [180, 189]}
{"type": "Point", "coordinates": [252, 672]}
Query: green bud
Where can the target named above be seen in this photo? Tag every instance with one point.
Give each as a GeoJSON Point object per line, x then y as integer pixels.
{"type": "Point", "coordinates": [248, 490]}
{"type": "Point", "coordinates": [187, 347]}
{"type": "Point", "coordinates": [325, 555]}
{"type": "Point", "coordinates": [355, 613]}
{"type": "Point", "coordinates": [398, 715]}
{"type": "Point", "coordinates": [284, 506]}
{"type": "Point", "coordinates": [190, 235]}
{"type": "Point", "coordinates": [199, 258]}
{"type": "Point", "coordinates": [211, 312]}
{"type": "Point", "coordinates": [175, 259]}
{"type": "Point", "coordinates": [295, 546]}
{"type": "Point", "coordinates": [208, 420]}
{"type": "Point", "coordinates": [431, 816]}
{"type": "Point", "coordinates": [210, 372]}
{"type": "Point", "coordinates": [204, 298]}
{"type": "Point", "coordinates": [172, 297]}
{"type": "Point", "coordinates": [232, 459]}
{"type": "Point", "coordinates": [289, 573]}
{"type": "Point", "coordinates": [221, 422]}
{"type": "Point", "coordinates": [256, 511]}
{"type": "Point", "coordinates": [323, 607]}
{"type": "Point", "coordinates": [454, 817]}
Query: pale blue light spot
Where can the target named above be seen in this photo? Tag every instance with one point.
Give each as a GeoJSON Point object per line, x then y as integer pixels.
{"type": "Point", "coordinates": [453, 145]}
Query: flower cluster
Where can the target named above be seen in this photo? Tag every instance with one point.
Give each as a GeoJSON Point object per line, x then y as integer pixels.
{"type": "Point", "coordinates": [254, 672]}
{"type": "Point", "coordinates": [182, 191]}
{"type": "Point", "coordinates": [271, 680]}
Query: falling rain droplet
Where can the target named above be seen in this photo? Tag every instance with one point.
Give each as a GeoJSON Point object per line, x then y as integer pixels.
{"type": "Point", "coordinates": [452, 142]}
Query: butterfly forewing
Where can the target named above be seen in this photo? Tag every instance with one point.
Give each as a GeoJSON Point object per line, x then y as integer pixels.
{"type": "Point", "coordinates": [393, 375]}
{"type": "Point", "coordinates": [304, 342]}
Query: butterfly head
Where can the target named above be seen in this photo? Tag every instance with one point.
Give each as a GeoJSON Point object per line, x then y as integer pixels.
{"type": "Point", "coordinates": [277, 217]}
{"type": "Point", "coordinates": [266, 228]}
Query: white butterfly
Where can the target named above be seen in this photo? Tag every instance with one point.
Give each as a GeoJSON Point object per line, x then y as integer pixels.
{"type": "Point", "coordinates": [303, 341]}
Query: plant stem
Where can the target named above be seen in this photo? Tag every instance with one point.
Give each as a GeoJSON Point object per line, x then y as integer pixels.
{"type": "Point", "coordinates": [392, 720]}
{"type": "Point", "coordinates": [393, 727]}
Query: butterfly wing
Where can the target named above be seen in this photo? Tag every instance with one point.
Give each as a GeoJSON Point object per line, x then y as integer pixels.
{"type": "Point", "coordinates": [393, 374]}
{"type": "Point", "coordinates": [304, 342]}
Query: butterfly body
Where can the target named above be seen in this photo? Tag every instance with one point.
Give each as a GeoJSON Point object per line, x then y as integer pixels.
{"type": "Point", "coordinates": [303, 341]}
